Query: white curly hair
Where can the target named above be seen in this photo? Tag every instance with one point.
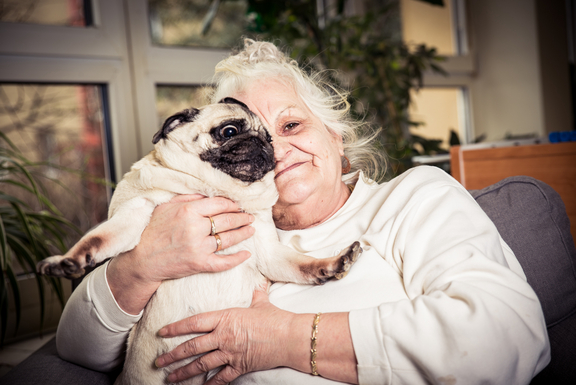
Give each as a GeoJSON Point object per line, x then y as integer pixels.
{"type": "Point", "coordinates": [261, 60]}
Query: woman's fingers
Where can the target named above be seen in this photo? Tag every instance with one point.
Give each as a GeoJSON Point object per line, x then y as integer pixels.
{"type": "Point", "coordinates": [225, 376]}
{"type": "Point", "coordinates": [241, 339]}
{"type": "Point", "coordinates": [202, 364]}
{"type": "Point", "coordinates": [186, 198]}
{"type": "Point", "coordinates": [261, 294]}
{"type": "Point", "coordinates": [217, 205]}
{"type": "Point", "coordinates": [221, 216]}
{"type": "Point", "coordinates": [233, 237]}
{"type": "Point", "coordinates": [225, 213]}
{"type": "Point", "coordinates": [210, 206]}
{"type": "Point", "coordinates": [206, 322]}
{"type": "Point", "coordinates": [219, 262]}
{"type": "Point", "coordinates": [200, 323]}
{"type": "Point", "coordinates": [226, 222]}
{"type": "Point", "coordinates": [188, 349]}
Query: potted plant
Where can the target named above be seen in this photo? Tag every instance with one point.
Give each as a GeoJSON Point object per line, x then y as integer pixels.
{"type": "Point", "coordinates": [27, 234]}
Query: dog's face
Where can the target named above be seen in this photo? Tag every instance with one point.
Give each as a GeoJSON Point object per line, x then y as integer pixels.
{"type": "Point", "coordinates": [226, 135]}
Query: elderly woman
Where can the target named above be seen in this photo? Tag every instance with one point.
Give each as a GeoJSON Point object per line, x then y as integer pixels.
{"type": "Point", "coordinates": [437, 296]}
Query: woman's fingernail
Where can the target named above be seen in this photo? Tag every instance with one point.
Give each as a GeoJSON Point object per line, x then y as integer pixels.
{"type": "Point", "coordinates": [159, 362]}
{"type": "Point", "coordinates": [162, 332]}
{"type": "Point", "coordinates": [252, 218]}
{"type": "Point", "coordinates": [172, 377]}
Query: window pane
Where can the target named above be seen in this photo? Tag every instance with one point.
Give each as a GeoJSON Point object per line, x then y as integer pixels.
{"type": "Point", "coordinates": [74, 13]}
{"type": "Point", "coordinates": [61, 125]}
{"type": "Point", "coordinates": [435, 26]}
{"type": "Point", "coordinates": [197, 23]}
{"type": "Point", "coordinates": [440, 110]}
{"type": "Point", "coordinates": [172, 99]}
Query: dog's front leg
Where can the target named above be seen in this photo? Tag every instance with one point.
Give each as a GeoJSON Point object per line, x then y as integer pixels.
{"type": "Point", "coordinates": [283, 264]}
{"type": "Point", "coordinates": [287, 265]}
{"type": "Point", "coordinates": [119, 234]}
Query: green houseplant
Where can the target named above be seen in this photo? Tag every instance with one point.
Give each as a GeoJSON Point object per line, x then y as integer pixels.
{"type": "Point", "coordinates": [27, 234]}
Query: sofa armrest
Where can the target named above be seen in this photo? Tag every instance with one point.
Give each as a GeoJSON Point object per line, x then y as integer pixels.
{"type": "Point", "coordinates": [562, 368]}
{"type": "Point", "coordinates": [45, 367]}
{"type": "Point", "coordinates": [532, 219]}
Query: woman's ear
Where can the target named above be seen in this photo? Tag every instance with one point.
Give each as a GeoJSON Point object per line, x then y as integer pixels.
{"type": "Point", "coordinates": [339, 142]}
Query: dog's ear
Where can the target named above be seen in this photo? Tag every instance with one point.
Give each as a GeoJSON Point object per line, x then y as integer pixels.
{"type": "Point", "coordinates": [233, 101]}
{"type": "Point", "coordinates": [173, 122]}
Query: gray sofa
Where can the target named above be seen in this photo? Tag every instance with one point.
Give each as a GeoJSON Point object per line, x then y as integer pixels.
{"type": "Point", "coordinates": [531, 218]}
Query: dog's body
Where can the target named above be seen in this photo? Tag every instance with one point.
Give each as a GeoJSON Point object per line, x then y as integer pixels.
{"type": "Point", "coordinates": [220, 150]}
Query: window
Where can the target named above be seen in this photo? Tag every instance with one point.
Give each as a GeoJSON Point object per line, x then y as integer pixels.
{"type": "Point", "coordinates": [440, 27]}
{"type": "Point", "coordinates": [441, 112]}
{"type": "Point", "coordinates": [73, 13]}
{"type": "Point", "coordinates": [98, 65]}
{"type": "Point", "coordinates": [197, 23]}
{"type": "Point", "coordinates": [62, 125]}
{"type": "Point", "coordinates": [171, 99]}
{"type": "Point", "coordinates": [442, 105]}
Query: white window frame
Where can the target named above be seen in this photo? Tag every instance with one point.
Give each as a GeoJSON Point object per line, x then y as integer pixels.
{"type": "Point", "coordinates": [460, 69]}
{"type": "Point", "coordinates": [117, 52]}
{"type": "Point", "coordinates": [161, 65]}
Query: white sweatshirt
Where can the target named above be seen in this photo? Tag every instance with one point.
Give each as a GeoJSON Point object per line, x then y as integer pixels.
{"type": "Point", "coordinates": [436, 297]}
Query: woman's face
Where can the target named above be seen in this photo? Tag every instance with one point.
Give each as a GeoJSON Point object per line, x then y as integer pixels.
{"type": "Point", "coordinates": [308, 156]}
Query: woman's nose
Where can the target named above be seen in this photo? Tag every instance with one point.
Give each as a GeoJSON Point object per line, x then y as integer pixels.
{"type": "Point", "coordinates": [281, 147]}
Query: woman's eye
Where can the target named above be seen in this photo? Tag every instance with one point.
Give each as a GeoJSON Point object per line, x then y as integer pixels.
{"type": "Point", "coordinates": [229, 131]}
{"type": "Point", "coordinates": [290, 126]}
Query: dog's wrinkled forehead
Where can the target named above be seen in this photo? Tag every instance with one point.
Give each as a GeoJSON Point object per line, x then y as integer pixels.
{"type": "Point", "coordinates": [223, 117]}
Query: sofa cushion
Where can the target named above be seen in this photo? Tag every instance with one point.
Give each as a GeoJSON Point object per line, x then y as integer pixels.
{"type": "Point", "coordinates": [531, 218]}
{"type": "Point", "coordinates": [45, 367]}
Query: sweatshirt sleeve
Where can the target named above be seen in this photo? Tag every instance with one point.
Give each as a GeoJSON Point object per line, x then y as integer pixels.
{"type": "Point", "coordinates": [93, 329]}
{"type": "Point", "coordinates": [469, 318]}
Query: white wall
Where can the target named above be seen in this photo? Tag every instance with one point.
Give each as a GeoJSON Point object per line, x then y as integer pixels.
{"type": "Point", "coordinates": [505, 89]}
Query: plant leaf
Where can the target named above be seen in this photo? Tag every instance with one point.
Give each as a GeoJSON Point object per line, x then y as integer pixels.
{"type": "Point", "coordinates": [4, 255]}
{"type": "Point", "coordinates": [15, 294]}
{"type": "Point", "coordinates": [3, 307]}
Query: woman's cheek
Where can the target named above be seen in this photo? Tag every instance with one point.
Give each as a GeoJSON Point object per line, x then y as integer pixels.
{"type": "Point", "coordinates": [294, 190]}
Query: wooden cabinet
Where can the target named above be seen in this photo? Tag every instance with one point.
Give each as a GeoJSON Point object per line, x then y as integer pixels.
{"type": "Point", "coordinates": [554, 164]}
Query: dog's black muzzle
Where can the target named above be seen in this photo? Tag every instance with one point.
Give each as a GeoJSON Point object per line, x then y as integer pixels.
{"type": "Point", "coordinates": [245, 157]}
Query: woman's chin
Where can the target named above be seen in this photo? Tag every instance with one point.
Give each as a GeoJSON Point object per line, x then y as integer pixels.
{"type": "Point", "coordinates": [294, 192]}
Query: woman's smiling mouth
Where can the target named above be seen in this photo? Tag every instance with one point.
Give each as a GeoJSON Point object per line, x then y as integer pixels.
{"type": "Point", "coordinates": [291, 167]}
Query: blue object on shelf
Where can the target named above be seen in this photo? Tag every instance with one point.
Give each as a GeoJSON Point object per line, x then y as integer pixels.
{"type": "Point", "coordinates": [554, 137]}
{"type": "Point", "coordinates": [564, 136]}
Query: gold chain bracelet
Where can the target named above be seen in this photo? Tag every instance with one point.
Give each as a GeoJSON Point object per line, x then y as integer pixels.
{"type": "Point", "coordinates": [313, 344]}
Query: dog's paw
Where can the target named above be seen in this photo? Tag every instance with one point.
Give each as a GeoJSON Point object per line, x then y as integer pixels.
{"type": "Point", "coordinates": [347, 258]}
{"type": "Point", "coordinates": [59, 266]}
{"type": "Point", "coordinates": [335, 267]}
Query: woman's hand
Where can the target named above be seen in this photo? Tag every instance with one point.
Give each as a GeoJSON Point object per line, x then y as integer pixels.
{"type": "Point", "coordinates": [241, 340]}
{"type": "Point", "coordinates": [258, 338]}
{"type": "Point", "coordinates": [177, 243]}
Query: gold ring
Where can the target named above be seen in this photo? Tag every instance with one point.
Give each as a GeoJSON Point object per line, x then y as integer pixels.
{"type": "Point", "coordinates": [218, 243]}
{"type": "Point", "coordinates": [213, 231]}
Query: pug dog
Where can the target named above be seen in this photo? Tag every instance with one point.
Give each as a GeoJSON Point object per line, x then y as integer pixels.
{"type": "Point", "coordinates": [223, 150]}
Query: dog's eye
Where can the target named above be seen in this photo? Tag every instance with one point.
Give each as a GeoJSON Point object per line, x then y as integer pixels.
{"type": "Point", "coordinates": [229, 131]}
